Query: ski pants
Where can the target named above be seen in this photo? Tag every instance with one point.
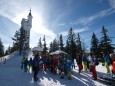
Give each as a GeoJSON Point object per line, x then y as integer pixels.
{"type": "Point", "coordinates": [85, 65]}
{"type": "Point", "coordinates": [69, 74]}
{"type": "Point", "coordinates": [93, 70]}
{"type": "Point", "coordinates": [35, 72]}
{"type": "Point", "coordinates": [107, 67]}
{"type": "Point", "coordinates": [80, 67]}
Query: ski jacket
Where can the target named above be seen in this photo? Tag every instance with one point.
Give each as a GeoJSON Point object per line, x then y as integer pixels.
{"type": "Point", "coordinates": [84, 59]}
{"type": "Point", "coordinates": [30, 62]}
{"type": "Point", "coordinates": [36, 60]}
{"type": "Point", "coordinates": [61, 65]}
{"type": "Point", "coordinates": [44, 60]}
{"type": "Point", "coordinates": [107, 59]}
{"type": "Point", "coordinates": [113, 67]}
{"type": "Point", "coordinates": [92, 60]}
{"type": "Point", "coordinates": [68, 67]}
{"type": "Point", "coordinates": [55, 61]}
{"type": "Point", "coordinates": [23, 59]}
{"type": "Point", "coordinates": [26, 62]}
{"type": "Point", "coordinates": [79, 59]}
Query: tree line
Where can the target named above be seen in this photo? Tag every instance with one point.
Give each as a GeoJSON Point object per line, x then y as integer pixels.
{"type": "Point", "coordinates": [73, 44]}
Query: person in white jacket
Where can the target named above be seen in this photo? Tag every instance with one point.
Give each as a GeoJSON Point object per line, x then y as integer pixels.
{"type": "Point", "coordinates": [92, 61]}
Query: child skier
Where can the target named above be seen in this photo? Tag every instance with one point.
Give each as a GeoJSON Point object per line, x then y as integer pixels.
{"type": "Point", "coordinates": [25, 64]}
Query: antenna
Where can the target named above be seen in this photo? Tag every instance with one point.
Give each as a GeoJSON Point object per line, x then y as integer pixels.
{"type": "Point", "coordinates": [30, 9]}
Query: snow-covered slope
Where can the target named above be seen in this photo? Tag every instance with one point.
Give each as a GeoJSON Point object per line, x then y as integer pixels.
{"type": "Point", "coordinates": [12, 75]}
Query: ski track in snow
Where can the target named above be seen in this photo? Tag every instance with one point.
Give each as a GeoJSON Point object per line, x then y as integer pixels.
{"type": "Point", "coordinates": [12, 75]}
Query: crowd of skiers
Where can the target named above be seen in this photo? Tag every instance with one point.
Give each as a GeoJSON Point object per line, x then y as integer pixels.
{"type": "Point", "coordinates": [63, 64]}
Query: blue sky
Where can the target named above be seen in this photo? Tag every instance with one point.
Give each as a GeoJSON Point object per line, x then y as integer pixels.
{"type": "Point", "coordinates": [55, 17]}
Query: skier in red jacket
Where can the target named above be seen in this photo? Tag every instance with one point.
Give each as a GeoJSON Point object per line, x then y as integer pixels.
{"type": "Point", "coordinates": [112, 56]}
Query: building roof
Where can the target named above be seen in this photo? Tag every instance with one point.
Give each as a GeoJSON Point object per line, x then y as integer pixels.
{"type": "Point", "coordinates": [37, 49]}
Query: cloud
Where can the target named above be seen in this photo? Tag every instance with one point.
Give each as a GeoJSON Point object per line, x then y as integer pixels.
{"type": "Point", "coordinates": [34, 38]}
{"type": "Point", "coordinates": [58, 18]}
{"type": "Point", "coordinates": [112, 3]}
{"type": "Point", "coordinates": [14, 12]}
{"type": "Point", "coordinates": [65, 33]}
{"type": "Point", "coordinates": [99, 1]}
{"type": "Point", "coordinates": [61, 24]}
{"type": "Point", "coordinates": [90, 19]}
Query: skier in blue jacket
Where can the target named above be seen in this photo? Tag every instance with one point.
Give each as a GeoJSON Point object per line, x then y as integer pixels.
{"type": "Point", "coordinates": [107, 62]}
{"type": "Point", "coordinates": [25, 64]}
{"type": "Point", "coordinates": [36, 65]}
{"type": "Point", "coordinates": [68, 66]}
{"type": "Point", "coordinates": [84, 60]}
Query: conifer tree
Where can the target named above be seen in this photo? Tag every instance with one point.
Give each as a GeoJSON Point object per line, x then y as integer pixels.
{"type": "Point", "coordinates": [51, 47]}
{"type": "Point", "coordinates": [105, 43]}
{"type": "Point", "coordinates": [14, 48]}
{"type": "Point", "coordinates": [79, 45]}
{"type": "Point", "coordinates": [61, 43]}
{"type": "Point", "coordinates": [95, 46]}
{"type": "Point", "coordinates": [55, 45]}
{"type": "Point", "coordinates": [19, 40]}
{"type": "Point", "coordinates": [15, 43]}
{"type": "Point", "coordinates": [1, 49]}
{"type": "Point", "coordinates": [8, 51]}
{"type": "Point", "coordinates": [67, 47]}
{"type": "Point", "coordinates": [40, 43]}
{"type": "Point", "coordinates": [72, 43]}
{"type": "Point", "coordinates": [44, 46]}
